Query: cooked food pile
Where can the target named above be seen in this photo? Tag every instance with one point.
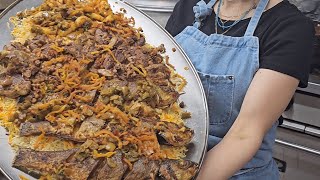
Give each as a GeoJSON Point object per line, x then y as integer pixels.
{"type": "Point", "coordinates": [83, 96]}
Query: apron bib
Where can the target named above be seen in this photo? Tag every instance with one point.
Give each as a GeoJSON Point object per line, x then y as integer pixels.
{"type": "Point", "coordinates": [226, 66]}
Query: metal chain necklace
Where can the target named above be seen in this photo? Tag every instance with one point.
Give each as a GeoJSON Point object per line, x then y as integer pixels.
{"type": "Point", "coordinates": [254, 6]}
{"type": "Point", "coordinates": [222, 25]}
{"type": "Point", "coordinates": [216, 28]}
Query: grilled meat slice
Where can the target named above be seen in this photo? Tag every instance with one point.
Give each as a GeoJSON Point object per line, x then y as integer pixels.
{"type": "Point", "coordinates": [78, 168]}
{"type": "Point", "coordinates": [101, 37]}
{"type": "Point", "coordinates": [178, 170]}
{"type": "Point", "coordinates": [158, 72]}
{"type": "Point", "coordinates": [41, 161]}
{"type": "Point", "coordinates": [111, 168]}
{"type": "Point", "coordinates": [167, 95]}
{"type": "Point", "coordinates": [28, 128]}
{"type": "Point", "coordinates": [88, 128]}
{"type": "Point", "coordinates": [19, 61]}
{"type": "Point", "coordinates": [174, 134]}
{"type": "Point", "coordinates": [5, 80]}
{"type": "Point", "coordinates": [14, 86]}
{"type": "Point", "coordinates": [143, 169]}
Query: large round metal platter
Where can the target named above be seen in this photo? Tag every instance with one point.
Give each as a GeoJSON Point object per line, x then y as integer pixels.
{"type": "Point", "coordinates": [194, 96]}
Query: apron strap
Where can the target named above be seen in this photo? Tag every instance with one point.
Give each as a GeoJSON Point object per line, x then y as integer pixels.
{"type": "Point", "coordinates": [256, 17]}
{"type": "Point", "coordinates": [201, 11]}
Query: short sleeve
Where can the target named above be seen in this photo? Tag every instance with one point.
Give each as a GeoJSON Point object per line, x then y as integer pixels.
{"type": "Point", "coordinates": [181, 17]}
{"type": "Point", "coordinates": [170, 23]}
{"type": "Point", "coordinates": [288, 47]}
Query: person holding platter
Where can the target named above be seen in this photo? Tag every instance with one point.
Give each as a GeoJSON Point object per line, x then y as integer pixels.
{"type": "Point", "coordinates": [251, 55]}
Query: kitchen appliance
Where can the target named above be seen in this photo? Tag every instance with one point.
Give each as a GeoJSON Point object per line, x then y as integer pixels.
{"type": "Point", "coordinates": [194, 96]}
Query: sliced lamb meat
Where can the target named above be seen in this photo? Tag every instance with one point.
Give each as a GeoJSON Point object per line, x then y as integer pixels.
{"type": "Point", "coordinates": [41, 162]}
{"type": "Point", "coordinates": [103, 62]}
{"type": "Point", "coordinates": [178, 170]}
{"type": "Point", "coordinates": [87, 97]}
{"type": "Point", "coordinates": [136, 55]}
{"type": "Point", "coordinates": [79, 169]}
{"type": "Point", "coordinates": [15, 46]}
{"type": "Point", "coordinates": [18, 87]}
{"type": "Point", "coordinates": [89, 127]}
{"type": "Point", "coordinates": [167, 96]}
{"type": "Point", "coordinates": [111, 168]}
{"type": "Point", "coordinates": [119, 54]}
{"type": "Point", "coordinates": [101, 37]}
{"type": "Point", "coordinates": [74, 49]}
{"type": "Point", "coordinates": [143, 169]}
{"type": "Point", "coordinates": [151, 120]}
{"type": "Point", "coordinates": [20, 62]}
{"type": "Point", "coordinates": [28, 128]}
{"type": "Point", "coordinates": [6, 81]}
{"type": "Point", "coordinates": [47, 52]}
{"type": "Point", "coordinates": [86, 130]}
{"type": "Point", "coordinates": [141, 41]}
{"type": "Point", "coordinates": [36, 42]}
{"type": "Point", "coordinates": [108, 62]}
{"type": "Point", "coordinates": [158, 71]}
{"type": "Point", "coordinates": [133, 88]}
{"type": "Point", "coordinates": [36, 128]}
{"type": "Point", "coordinates": [174, 134]}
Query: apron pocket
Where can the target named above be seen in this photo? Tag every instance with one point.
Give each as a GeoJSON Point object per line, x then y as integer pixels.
{"type": "Point", "coordinates": [219, 90]}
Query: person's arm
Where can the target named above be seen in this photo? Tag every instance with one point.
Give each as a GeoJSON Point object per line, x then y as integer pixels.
{"type": "Point", "coordinates": [266, 99]}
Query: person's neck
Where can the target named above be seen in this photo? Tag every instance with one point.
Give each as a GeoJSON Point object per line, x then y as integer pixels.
{"type": "Point", "coordinates": [236, 4]}
{"type": "Point", "coordinates": [235, 7]}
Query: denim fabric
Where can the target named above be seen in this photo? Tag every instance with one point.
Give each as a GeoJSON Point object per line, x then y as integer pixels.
{"type": "Point", "coordinates": [226, 66]}
{"type": "Point", "coordinates": [268, 172]}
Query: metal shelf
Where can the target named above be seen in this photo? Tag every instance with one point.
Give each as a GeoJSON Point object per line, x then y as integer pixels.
{"type": "Point", "coordinates": [296, 146]}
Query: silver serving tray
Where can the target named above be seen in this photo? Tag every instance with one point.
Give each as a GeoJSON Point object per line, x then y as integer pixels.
{"type": "Point", "coordinates": [194, 96]}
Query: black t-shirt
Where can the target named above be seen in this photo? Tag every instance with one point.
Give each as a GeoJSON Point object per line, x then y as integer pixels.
{"type": "Point", "coordinates": [286, 36]}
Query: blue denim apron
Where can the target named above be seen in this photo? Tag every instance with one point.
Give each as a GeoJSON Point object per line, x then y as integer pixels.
{"type": "Point", "coordinates": [226, 66]}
